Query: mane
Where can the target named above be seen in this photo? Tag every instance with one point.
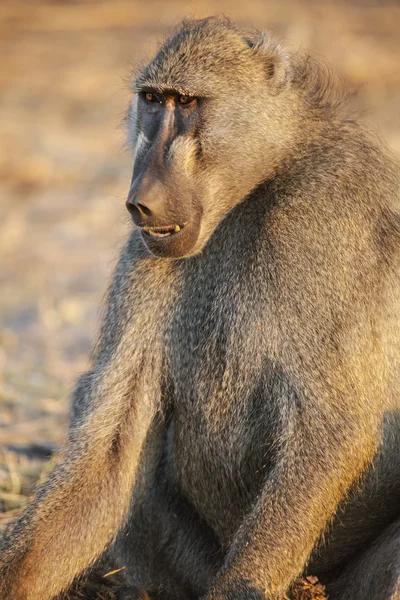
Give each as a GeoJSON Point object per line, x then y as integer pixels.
{"type": "Point", "coordinates": [319, 86]}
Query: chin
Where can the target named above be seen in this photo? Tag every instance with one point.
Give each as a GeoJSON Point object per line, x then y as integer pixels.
{"type": "Point", "coordinates": [175, 245]}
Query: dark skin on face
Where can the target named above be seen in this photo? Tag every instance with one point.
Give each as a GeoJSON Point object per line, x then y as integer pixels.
{"type": "Point", "coordinates": [169, 225]}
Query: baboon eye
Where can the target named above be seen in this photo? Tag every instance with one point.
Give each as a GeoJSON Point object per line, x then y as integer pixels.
{"type": "Point", "coordinates": [187, 100]}
{"type": "Point", "coordinates": [150, 97]}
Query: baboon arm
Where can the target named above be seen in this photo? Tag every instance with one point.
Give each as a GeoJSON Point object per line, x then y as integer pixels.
{"type": "Point", "coordinates": [79, 510]}
{"type": "Point", "coordinates": [302, 492]}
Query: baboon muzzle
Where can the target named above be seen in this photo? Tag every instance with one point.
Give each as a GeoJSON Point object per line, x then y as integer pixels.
{"type": "Point", "coordinates": [146, 201]}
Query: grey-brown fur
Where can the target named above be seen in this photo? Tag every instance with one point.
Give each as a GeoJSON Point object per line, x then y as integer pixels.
{"type": "Point", "coordinates": [240, 424]}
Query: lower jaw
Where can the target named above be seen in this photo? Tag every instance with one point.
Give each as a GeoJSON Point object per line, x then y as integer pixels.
{"type": "Point", "coordinates": [177, 245]}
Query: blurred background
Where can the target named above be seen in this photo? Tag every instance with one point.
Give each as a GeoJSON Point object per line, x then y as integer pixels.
{"type": "Point", "coordinates": [64, 173]}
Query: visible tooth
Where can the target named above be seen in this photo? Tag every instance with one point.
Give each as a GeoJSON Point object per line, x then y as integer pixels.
{"type": "Point", "coordinates": [177, 228]}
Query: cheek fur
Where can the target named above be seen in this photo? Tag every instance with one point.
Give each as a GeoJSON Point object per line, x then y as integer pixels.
{"type": "Point", "coordinates": [139, 144]}
{"type": "Point", "coordinates": [182, 155]}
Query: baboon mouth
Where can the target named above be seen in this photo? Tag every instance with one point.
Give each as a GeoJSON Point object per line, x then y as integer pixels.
{"type": "Point", "coordinates": [162, 232]}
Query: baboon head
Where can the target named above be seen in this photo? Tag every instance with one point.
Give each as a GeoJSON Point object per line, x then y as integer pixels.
{"type": "Point", "coordinates": [210, 120]}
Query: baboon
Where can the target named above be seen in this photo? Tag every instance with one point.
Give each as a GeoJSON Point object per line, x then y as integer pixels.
{"type": "Point", "coordinates": [240, 424]}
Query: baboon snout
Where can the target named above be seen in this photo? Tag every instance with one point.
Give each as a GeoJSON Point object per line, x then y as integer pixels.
{"type": "Point", "coordinates": [167, 227]}
{"type": "Point", "coordinates": [146, 201]}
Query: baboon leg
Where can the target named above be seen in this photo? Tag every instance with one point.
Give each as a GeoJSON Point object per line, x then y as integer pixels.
{"type": "Point", "coordinates": [373, 575]}
{"type": "Point", "coordinates": [166, 547]}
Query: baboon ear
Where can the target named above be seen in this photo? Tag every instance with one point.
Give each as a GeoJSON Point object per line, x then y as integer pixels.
{"type": "Point", "coordinates": [276, 60]}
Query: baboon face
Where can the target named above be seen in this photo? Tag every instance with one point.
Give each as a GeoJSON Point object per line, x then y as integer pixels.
{"type": "Point", "coordinates": [163, 199]}
{"type": "Point", "coordinates": [206, 131]}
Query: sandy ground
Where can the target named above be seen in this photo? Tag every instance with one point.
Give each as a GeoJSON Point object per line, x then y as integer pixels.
{"type": "Point", "coordinates": [64, 173]}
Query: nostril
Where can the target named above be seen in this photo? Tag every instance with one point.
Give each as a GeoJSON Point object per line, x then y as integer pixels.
{"type": "Point", "coordinates": [143, 209]}
{"type": "Point", "coordinates": [139, 212]}
{"type": "Point", "coordinates": [134, 211]}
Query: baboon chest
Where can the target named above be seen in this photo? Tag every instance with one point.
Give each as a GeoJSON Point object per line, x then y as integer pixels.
{"type": "Point", "coordinates": [221, 433]}
{"type": "Point", "coordinates": [219, 447]}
